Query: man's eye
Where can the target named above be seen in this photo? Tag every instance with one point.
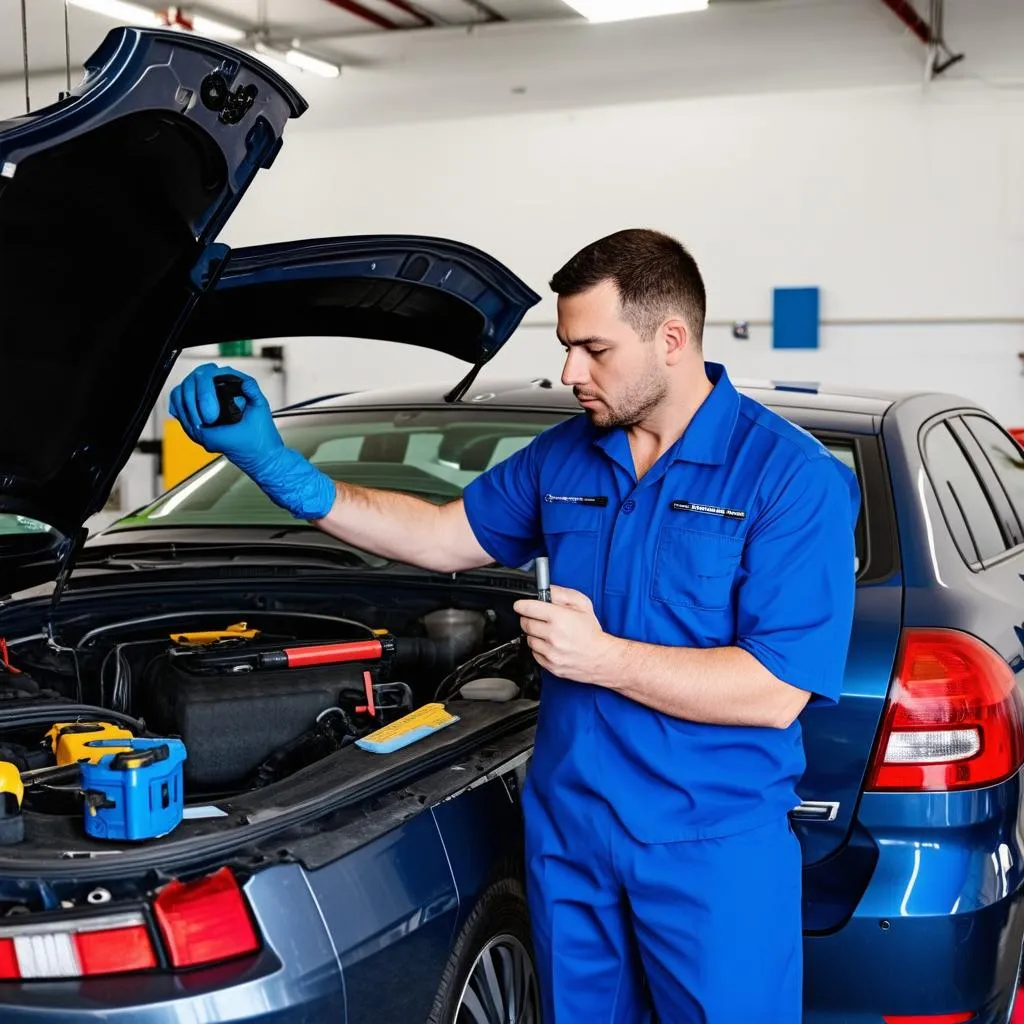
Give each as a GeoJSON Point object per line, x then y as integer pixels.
{"type": "Point", "coordinates": [597, 351]}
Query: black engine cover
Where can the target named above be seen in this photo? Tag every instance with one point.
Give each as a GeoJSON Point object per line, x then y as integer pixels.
{"type": "Point", "coordinates": [230, 724]}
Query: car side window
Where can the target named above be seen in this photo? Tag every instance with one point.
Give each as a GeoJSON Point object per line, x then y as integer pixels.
{"type": "Point", "coordinates": [1004, 456]}
{"type": "Point", "coordinates": [965, 505]}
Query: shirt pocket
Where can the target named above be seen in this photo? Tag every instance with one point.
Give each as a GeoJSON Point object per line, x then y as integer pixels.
{"type": "Point", "coordinates": [571, 534]}
{"type": "Point", "coordinates": [695, 568]}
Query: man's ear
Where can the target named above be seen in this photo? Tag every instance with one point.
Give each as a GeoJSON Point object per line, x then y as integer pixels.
{"type": "Point", "coordinates": [676, 339]}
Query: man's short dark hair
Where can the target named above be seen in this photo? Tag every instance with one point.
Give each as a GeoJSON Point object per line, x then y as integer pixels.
{"type": "Point", "coordinates": [655, 276]}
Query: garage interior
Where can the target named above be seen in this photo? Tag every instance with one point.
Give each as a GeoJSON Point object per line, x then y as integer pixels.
{"type": "Point", "coordinates": [792, 143]}
{"type": "Point", "coordinates": [849, 175]}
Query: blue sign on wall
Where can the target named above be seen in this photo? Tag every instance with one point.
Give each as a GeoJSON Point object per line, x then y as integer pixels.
{"type": "Point", "coordinates": [795, 319]}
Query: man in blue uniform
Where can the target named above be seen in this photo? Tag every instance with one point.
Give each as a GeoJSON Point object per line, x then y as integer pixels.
{"type": "Point", "coordinates": [702, 551]}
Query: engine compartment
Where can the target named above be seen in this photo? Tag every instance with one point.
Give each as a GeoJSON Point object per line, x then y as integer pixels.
{"type": "Point", "coordinates": [257, 691]}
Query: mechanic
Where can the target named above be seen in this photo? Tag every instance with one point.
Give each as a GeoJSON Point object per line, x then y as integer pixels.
{"type": "Point", "coordinates": [702, 551]}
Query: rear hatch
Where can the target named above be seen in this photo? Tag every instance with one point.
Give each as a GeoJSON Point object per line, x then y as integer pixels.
{"type": "Point", "coordinates": [109, 204]}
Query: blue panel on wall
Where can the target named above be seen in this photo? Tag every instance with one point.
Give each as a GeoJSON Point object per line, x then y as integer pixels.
{"type": "Point", "coordinates": [795, 318]}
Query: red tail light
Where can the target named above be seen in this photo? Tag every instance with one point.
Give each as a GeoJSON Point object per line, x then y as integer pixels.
{"type": "Point", "coordinates": [931, 1018]}
{"type": "Point", "coordinates": [75, 949]}
{"type": "Point", "coordinates": [953, 720]}
{"type": "Point", "coordinates": [205, 921]}
{"type": "Point", "coordinates": [115, 950]}
{"type": "Point", "coordinates": [8, 960]}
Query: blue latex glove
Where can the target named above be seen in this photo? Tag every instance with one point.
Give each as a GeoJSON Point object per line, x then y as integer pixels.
{"type": "Point", "coordinates": [253, 444]}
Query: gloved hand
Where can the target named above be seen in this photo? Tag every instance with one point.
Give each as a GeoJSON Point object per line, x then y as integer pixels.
{"type": "Point", "coordinates": [253, 444]}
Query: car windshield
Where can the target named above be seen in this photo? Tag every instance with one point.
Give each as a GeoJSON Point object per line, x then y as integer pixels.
{"type": "Point", "coordinates": [430, 453]}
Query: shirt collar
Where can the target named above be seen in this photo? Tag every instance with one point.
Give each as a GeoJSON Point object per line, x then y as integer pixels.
{"type": "Point", "coordinates": [707, 436]}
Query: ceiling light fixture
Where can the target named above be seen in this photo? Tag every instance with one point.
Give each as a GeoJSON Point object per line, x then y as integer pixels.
{"type": "Point", "coordinates": [204, 26]}
{"type": "Point", "coordinates": [308, 63]}
{"type": "Point", "coordinates": [295, 58]}
{"type": "Point", "coordinates": [120, 10]}
{"type": "Point", "coordinates": [627, 10]}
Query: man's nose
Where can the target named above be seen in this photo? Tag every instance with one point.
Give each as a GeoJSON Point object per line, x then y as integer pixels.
{"type": "Point", "coordinates": [574, 372]}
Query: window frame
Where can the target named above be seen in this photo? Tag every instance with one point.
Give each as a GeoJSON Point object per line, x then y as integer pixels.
{"type": "Point", "coordinates": [1015, 524]}
{"type": "Point", "coordinates": [946, 421]}
{"type": "Point", "coordinates": [877, 517]}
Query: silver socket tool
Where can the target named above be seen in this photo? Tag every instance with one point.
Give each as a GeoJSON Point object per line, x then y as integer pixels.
{"type": "Point", "coordinates": [543, 570]}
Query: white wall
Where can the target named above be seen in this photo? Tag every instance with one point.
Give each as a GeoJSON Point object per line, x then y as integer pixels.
{"type": "Point", "coordinates": [903, 201]}
{"type": "Point", "coordinates": [903, 204]}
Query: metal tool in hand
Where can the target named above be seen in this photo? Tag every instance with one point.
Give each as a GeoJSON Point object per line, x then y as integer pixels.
{"type": "Point", "coordinates": [542, 569]}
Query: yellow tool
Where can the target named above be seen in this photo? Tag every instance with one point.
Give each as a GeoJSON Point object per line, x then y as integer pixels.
{"type": "Point", "coordinates": [416, 725]}
{"type": "Point", "coordinates": [12, 790]}
{"type": "Point", "coordinates": [69, 741]}
{"type": "Point", "coordinates": [237, 631]}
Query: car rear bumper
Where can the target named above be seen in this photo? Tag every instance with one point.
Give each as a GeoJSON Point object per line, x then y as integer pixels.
{"type": "Point", "coordinates": [296, 978]}
{"type": "Point", "coordinates": [939, 928]}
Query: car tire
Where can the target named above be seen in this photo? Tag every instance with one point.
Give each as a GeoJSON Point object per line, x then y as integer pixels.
{"type": "Point", "coordinates": [490, 976]}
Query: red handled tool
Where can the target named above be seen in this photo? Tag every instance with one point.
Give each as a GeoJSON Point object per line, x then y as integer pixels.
{"type": "Point", "coordinates": [323, 654]}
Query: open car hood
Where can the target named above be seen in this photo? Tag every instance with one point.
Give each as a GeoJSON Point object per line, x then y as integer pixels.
{"type": "Point", "coordinates": [110, 201]}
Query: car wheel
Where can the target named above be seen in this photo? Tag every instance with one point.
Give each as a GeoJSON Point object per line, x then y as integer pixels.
{"type": "Point", "coordinates": [490, 977]}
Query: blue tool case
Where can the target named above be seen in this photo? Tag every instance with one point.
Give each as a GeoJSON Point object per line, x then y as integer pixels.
{"type": "Point", "coordinates": [135, 794]}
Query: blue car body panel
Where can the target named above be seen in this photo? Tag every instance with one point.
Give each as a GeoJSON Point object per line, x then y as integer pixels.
{"type": "Point", "coordinates": [390, 909]}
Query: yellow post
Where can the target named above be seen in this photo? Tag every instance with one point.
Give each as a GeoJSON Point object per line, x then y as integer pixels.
{"type": "Point", "coordinates": [181, 456]}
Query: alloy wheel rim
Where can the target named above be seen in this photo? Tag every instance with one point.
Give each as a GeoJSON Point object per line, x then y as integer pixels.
{"type": "Point", "coordinates": [501, 987]}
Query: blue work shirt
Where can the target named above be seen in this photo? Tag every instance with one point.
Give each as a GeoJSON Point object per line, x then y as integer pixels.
{"type": "Point", "coordinates": [742, 534]}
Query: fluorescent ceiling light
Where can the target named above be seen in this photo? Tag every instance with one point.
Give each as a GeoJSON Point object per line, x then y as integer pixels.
{"type": "Point", "coordinates": [314, 64]}
{"type": "Point", "coordinates": [119, 10]}
{"type": "Point", "coordinates": [626, 10]}
{"type": "Point", "coordinates": [204, 26]}
{"type": "Point", "coordinates": [267, 54]}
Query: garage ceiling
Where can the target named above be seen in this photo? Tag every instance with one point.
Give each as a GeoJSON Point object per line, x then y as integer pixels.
{"type": "Point", "coordinates": [332, 29]}
{"type": "Point", "coordinates": [545, 57]}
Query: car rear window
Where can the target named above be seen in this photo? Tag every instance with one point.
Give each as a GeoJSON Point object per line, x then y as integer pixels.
{"type": "Point", "coordinates": [1006, 459]}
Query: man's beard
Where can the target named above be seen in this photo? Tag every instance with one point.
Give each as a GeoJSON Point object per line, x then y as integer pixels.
{"type": "Point", "coordinates": [635, 403]}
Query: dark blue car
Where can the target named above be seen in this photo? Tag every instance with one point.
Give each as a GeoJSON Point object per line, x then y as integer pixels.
{"type": "Point", "coordinates": [310, 879]}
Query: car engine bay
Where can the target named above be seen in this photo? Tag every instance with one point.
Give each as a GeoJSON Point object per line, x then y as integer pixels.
{"type": "Point", "coordinates": [203, 708]}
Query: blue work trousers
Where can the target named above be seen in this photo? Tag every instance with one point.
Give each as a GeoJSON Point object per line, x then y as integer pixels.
{"type": "Point", "coordinates": [700, 932]}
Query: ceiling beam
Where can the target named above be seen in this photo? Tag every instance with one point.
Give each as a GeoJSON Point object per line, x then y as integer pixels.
{"type": "Point", "coordinates": [930, 33]}
{"type": "Point", "coordinates": [404, 5]}
{"type": "Point", "coordinates": [485, 9]}
{"type": "Point", "coordinates": [904, 10]}
{"type": "Point", "coordinates": [356, 8]}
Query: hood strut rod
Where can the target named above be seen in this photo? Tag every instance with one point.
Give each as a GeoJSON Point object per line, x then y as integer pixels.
{"type": "Point", "coordinates": [24, 54]}
{"type": "Point", "coordinates": [458, 392]}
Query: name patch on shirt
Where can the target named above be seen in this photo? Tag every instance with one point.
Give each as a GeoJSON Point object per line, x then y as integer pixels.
{"type": "Point", "coordinates": [708, 510]}
{"type": "Point", "coordinates": [576, 499]}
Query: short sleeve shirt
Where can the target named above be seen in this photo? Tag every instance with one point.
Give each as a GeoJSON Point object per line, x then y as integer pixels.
{"type": "Point", "coordinates": [741, 534]}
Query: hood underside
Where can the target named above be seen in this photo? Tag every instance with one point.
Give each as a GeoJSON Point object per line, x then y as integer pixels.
{"type": "Point", "coordinates": [110, 203]}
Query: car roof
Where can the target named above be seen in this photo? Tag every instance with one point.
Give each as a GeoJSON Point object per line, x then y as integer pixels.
{"type": "Point", "coordinates": [543, 393]}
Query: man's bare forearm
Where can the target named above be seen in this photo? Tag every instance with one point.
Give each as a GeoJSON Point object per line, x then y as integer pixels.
{"type": "Point", "coordinates": [404, 528]}
{"type": "Point", "coordinates": [717, 685]}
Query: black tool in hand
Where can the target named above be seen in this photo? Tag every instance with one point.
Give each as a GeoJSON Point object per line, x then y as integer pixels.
{"type": "Point", "coordinates": [228, 387]}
